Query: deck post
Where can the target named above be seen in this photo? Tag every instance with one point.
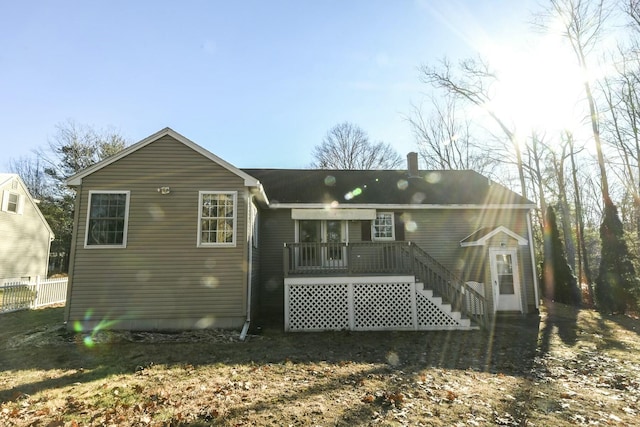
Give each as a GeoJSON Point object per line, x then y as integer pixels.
{"type": "Point", "coordinates": [285, 260]}
{"type": "Point", "coordinates": [412, 256]}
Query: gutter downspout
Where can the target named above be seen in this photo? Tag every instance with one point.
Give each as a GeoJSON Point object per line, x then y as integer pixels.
{"type": "Point", "coordinates": [245, 328]}
{"type": "Point", "coordinates": [533, 261]}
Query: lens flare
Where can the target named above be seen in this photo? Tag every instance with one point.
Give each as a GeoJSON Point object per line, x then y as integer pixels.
{"type": "Point", "coordinates": [354, 193]}
{"type": "Point", "coordinates": [89, 339]}
{"type": "Point", "coordinates": [393, 359]}
{"type": "Point", "coordinates": [433, 177]}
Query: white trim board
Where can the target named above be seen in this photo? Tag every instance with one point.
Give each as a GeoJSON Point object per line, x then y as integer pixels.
{"type": "Point", "coordinates": [393, 206]}
{"type": "Point", "coordinates": [331, 213]}
{"type": "Point", "coordinates": [485, 239]}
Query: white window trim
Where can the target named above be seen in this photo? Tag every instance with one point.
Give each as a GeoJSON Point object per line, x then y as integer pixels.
{"type": "Point", "coordinates": [126, 220]}
{"type": "Point", "coordinates": [393, 228]}
{"type": "Point", "coordinates": [19, 204]}
{"type": "Point", "coordinates": [234, 194]}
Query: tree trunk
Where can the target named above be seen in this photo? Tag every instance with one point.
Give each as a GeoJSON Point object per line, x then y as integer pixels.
{"type": "Point", "coordinates": [584, 274]}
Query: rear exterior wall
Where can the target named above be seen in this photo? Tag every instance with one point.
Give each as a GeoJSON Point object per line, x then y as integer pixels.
{"type": "Point", "coordinates": [162, 279]}
{"type": "Point", "coordinates": [437, 231]}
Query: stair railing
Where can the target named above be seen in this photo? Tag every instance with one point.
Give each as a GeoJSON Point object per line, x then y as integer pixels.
{"type": "Point", "coordinates": [450, 287]}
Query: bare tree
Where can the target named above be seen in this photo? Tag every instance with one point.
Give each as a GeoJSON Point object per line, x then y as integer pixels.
{"type": "Point", "coordinates": [474, 84]}
{"type": "Point", "coordinates": [72, 148]}
{"type": "Point", "coordinates": [445, 138]}
{"type": "Point", "coordinates": [581, 23]}
{"type": "Point", "coordinates": [584, 273]}
{"type": "Point", "coordinates": [535, 154]}
{"type": "Point", "coordinates": [75, 147]}
{"type": "Point", "coordinates": [31, 170]}
{"type": "Point", "coordinates": [347, 146]}
{"type": "Point", "coordinates": [623, 125]}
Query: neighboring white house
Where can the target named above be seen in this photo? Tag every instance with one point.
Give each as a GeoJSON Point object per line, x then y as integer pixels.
{"type": "Point", "coordinates": [25, 236]}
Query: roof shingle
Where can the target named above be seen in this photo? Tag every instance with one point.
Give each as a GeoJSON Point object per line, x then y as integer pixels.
{"type": "Point", "coordinates": [393, 187]}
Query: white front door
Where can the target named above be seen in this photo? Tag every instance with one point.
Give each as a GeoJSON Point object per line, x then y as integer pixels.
{"type": "Point", "coordinates": [505, 278]}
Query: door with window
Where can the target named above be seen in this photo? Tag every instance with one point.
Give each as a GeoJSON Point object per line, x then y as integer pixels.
{"type": "Point", "coordinates": [505, 278]}
{"type": "Point", "coordinates": [322, 243]}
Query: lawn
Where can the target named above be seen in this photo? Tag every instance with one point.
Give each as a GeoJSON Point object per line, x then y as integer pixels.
{"type": "Point", "coordinates": [564, 367]}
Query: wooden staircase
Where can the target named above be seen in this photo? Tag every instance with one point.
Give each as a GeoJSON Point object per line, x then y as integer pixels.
{"type": "Point", "coordinates": [455, 295]}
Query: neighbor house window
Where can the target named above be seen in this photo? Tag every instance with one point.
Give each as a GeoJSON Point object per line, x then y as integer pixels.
{"type": "Point", "coordinates": [107, 219]}
{"type": "Point", "coordinates": [382, 227]}
{"type": "Point", "coordinates": [11, 202]}
{"type": "Point", "coordinates": [217, 218]}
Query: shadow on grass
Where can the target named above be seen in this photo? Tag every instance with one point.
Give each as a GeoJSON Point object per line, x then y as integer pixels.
{"type": "Point", "coordinates": [508, 348]}
{"type": "Point", "coordinates": [561, 318]}
{"type": "Point", "coordinates": [631, 324]}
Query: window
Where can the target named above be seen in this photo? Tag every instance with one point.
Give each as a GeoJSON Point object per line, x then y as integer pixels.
{"type": "Point", "coordinates": [382, 227]}
{"type": "Point", "coordinates": [12, 202]}
{"type": "Point", "coordinates": [107, 219]}
{"type": "Point", "coordinates": [217, 218]}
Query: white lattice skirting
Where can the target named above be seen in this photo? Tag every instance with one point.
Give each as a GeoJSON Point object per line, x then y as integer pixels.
{"type": "Point", "coordinates": [365, 304]}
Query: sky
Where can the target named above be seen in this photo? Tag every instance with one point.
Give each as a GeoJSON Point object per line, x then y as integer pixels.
{"type": "Point", "coordinates": [258, 83]}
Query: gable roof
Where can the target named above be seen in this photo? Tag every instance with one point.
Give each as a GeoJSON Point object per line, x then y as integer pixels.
{"type": "Point", "coordinates": [6, 177]}
{"type": "Point", "coordinates": [77, 178]}
{"type": "Point", "coordinates": [367, 188]}
{"type": "Point", "coordinates": [481, 237]}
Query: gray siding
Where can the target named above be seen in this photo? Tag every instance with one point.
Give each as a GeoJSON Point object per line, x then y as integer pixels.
{"type": "Point", "coordinates": [438, 231]}
{"type": "Point", "coordinates": [276, 228]}
{"type": "Point", "coordinates": [25, 238]}
{"type": "Point", "coordinates": [161, 280]}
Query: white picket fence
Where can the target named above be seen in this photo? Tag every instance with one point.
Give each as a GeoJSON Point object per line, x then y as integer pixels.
{"type": "Point", "coordinates": [25, 294]}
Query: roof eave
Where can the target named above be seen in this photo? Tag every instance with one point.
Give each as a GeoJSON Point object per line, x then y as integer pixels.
{"type": "Point", "coordinates": [398, 206]}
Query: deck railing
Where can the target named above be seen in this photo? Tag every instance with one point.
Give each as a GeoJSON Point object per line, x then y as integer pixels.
{"type": "Point", "coordinates": [346, 258]}
{"type": "Point", "coordinates": [313, 259]}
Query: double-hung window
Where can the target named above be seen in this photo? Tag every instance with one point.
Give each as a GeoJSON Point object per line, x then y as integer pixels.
{"type": "Point", "coordinates": [382, 226]}
{"type": "Point", "coordinates": [107, 219]}
{"type": "Point", "coordinates": [12, 202]}
{"type": "Point", "coordinates": [217, 218]}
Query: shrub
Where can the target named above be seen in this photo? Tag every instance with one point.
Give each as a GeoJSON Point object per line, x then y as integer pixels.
{"type": "Point", "coordinates": [617, 287]}
{"type": "Point", "coordinates": [558, 281]}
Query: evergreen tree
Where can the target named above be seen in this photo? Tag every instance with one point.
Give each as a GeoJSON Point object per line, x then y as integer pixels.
{"type": "Point", "coordinates": [559, 282]}
{"type": "Point", "coordinates": [617, 286]}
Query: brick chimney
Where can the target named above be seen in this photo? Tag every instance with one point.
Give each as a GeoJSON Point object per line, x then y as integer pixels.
{"type": "Point", "coordinates": [412, 164]}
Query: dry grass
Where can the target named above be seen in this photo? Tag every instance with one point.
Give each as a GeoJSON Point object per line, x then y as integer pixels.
{"type": "Point", "coordinates": [564, 368]}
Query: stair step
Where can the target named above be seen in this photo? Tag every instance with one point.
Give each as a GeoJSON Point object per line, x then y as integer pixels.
{"type": "Point", "coordinates": [464, 322]}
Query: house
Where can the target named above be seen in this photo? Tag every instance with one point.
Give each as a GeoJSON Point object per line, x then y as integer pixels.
{"type": "Point", "coordinates": [25, 235]}
{"type": "Point", "coordinates": [169, 236]}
